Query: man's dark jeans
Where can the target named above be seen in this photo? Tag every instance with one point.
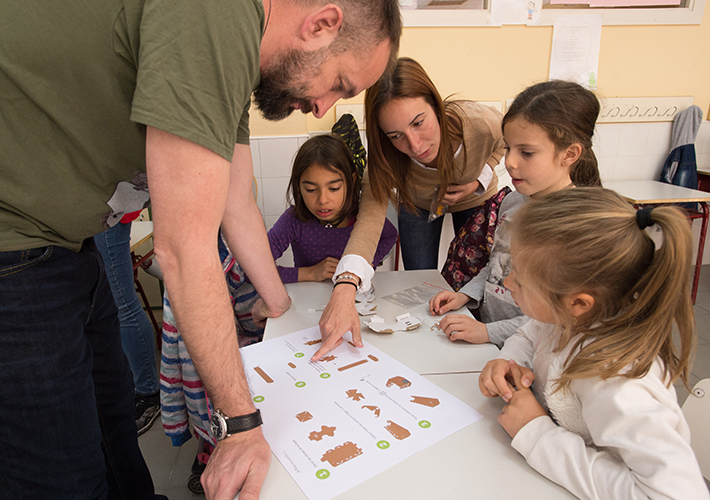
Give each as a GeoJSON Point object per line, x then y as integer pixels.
{"type": "Point", "coordinates": [67, 429]}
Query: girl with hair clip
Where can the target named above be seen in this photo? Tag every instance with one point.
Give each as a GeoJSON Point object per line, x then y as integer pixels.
{"type": "Point", "coordinates": [602, 418]}
{"type": "Point", "coordinates": [325, 193]}
{"type": "Point", "coordinates": [427, 155]}
{"type": "Point", "coordinates": [548, 142]}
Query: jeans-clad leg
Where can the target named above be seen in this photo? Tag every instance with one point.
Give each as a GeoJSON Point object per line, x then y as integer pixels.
{"type": "Point", "coordinates": [137, 334]}
{"type": "Point", "coordinates": [419, 239]}
{"type": "Point", "coordinates": [66, 408]}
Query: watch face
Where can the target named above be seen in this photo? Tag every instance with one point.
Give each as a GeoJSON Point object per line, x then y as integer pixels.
{"type": "Point", "coordinates": [218, 426]}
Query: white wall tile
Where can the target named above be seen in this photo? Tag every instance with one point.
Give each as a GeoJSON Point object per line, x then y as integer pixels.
{"type": "Point", "coordinates": [277, 156]}
{"type": "Point", "coordinates": [703, 160]}
{"type": "Point", "coordinates": [605, 141]}
{"type": "Point", "coordinates": [274, 195]}
{"type": "Point", "coordinates": [659, 139]}
{"type": "Point", "coordinates": [652, 167]}
{"type": "Point", "coordinates": [628, 168]}
{"type": "Point", "coordinates": [607, 166]}
{"type": "Point", "coordinates": [702, 140]}
{"type": "Point", "coordinates": [633, 139]}
{"type": "Point", "coordinates": [255, 157]}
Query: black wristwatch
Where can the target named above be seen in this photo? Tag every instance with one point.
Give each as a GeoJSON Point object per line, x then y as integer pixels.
{"type": "Point", "coordinates": [223, 426]}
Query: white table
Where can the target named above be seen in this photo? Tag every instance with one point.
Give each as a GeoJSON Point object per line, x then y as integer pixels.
{"type": "Point", "coordinates": [423, 350]}
{"type": "Point", "coordinates": [660, 193]}
{"type": "Point", "coordinates": [476, 462]}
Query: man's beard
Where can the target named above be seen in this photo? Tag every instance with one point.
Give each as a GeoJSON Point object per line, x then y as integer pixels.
{"type": "Point", "coordinates": [283, 83]}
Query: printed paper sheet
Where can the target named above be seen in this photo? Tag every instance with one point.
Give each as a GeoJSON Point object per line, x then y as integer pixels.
{"type": "Point", "coordinates": [337, 422]}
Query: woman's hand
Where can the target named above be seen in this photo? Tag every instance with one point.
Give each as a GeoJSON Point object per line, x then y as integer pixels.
{"type": "Point", "coordinates": [497, 379]}
{"type": "Point", "coordinates": [523, 407]}
{"type": "Point", "coordinates": [462, 327]}
{"type": "Point", "coordinates": [322, 271]}
{"type": "Point", "coordinates": [455, 192]}
{"type": "Point", "coordinates": [447, 301]}
{"type": "Point", "coordinates": [338, 318]}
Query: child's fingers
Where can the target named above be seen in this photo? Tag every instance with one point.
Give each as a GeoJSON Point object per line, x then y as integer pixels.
{"type": "Point", "coordinates": [522, 377]}
{"type": "Point", "coordinates": [493, 382]}
{"type": "Point", "coordinates": [435, 302]}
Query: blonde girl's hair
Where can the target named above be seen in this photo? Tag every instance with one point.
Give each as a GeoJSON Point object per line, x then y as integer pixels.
{"type": "Point", "coordinates": [389, 167]}
{"type": "Point", "coordinates": [587, 240]}
{"type": "Point", "coordinates": [568, 113]}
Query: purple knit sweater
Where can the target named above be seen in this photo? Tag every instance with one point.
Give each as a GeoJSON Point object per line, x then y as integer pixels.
{"type": "Point", "coordinates": [311, 242]}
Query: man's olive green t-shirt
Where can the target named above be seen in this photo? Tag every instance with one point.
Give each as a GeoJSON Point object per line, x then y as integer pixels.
{"type": "Point", "coordinates": [79, 82]}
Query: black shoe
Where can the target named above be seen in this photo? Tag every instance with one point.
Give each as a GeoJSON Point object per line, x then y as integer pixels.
{"type": "Point", "coordinates": [193, 483]}
{"type": "Point", "coordinates": [147, 410]}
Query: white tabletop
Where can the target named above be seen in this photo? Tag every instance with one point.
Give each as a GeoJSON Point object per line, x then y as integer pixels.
{"type": "Point", "coordinates": [476, 462]}
{"type": "Point", "coordinates": [656, 192]}
{"type": "Point", "coordinates": [423, 350]}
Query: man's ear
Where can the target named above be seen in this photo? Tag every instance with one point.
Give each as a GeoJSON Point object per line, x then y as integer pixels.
{"type": "Point", "coordinates": [321, 27]}
{"type": "Point", "coordinates": [578, 304]}
{"type": "Point", "coordinates": [572, 154]}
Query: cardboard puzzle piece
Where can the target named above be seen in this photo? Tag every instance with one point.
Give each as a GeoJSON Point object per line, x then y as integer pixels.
{"type": "Point", "coordinates": [404, 323]}
{"type": "Point", "coordinates": [304, 416]}
{"type": "Point", "coordinates": [354, 395]}
{"type": "Point", "coordinates": [399, 381]}
{"type": "Point", "coordinates": [263, 375]}
{"type": "Point", "coordinates": [352, 365]}
{"type": "Point", "coordinates": [341, 454]}
{"type": "Point", "coordinates": [366, 308]}
{"type": "Point", "coordinates": [365, 297]}
{"type": "Point", "coordinates": [324, 431]}
{"type": "Point", "coordinates": [421, 400]}
{"type": "Point", "coordinates": [397, 431]}
{"type": "Point", "coordinates": [374, 409]}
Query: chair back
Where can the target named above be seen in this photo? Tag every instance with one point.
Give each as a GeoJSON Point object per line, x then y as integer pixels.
{"type": "Point", "coordinates": [697, 412]}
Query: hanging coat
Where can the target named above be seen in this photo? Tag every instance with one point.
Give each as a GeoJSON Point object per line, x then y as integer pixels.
{"type": "Point", "coordinates": [681, 168]}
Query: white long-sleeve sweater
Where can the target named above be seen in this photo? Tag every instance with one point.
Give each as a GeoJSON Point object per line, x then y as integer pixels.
{"type": "Point", "coordinates": [615, 439]}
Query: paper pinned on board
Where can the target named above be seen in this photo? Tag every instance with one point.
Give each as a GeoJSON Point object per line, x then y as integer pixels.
{"type": "Point", "coordinates": [575, 49]}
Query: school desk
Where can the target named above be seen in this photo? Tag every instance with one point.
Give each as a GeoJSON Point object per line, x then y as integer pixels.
{"type": "Point", "coordinates": [476, 462]}
{"type": "Point", "coordinates": [659, 193]}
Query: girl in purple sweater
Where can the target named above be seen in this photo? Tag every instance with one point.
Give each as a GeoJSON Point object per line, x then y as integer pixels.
{"type": "Point", "coordinates": [324, 192]}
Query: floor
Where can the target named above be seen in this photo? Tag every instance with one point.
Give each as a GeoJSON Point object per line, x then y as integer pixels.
{"type": "Point", "coordinates": [170, 466]}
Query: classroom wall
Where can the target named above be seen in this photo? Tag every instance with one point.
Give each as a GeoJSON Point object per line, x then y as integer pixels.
{"type": "Point", "coordinates": [494, 64]}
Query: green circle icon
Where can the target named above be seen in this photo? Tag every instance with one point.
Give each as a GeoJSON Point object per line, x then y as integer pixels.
{"type": "Point", "coordinates": [323, 474]}
{"type": "Point", "coordinates": [325, 375]}
{"type": "Point", "coordinates": [258, 399]}
{"type": "Point", "coordinates": [299, 354]}
{"type": "Point", "coordinates": [383, 445]}
{"type": "Point", "coordinates": [300, 383]}
{"type": "Point", "coordinates": [424, 424]}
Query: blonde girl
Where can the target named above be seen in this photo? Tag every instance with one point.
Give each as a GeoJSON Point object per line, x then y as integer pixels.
{"type": "Point", "coordinates": [602, 418]}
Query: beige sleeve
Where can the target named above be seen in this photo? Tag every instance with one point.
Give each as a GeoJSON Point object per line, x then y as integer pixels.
{"type": "Point", "coordinates": [368, 227]}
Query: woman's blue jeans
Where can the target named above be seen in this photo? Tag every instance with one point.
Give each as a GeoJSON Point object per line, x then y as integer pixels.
{"type": "Point", "coordinates": [67, 428]}
{"type": "Point", "coordinates": [137, 334]}
{"type": "Point", "coordinates": [419, 239]}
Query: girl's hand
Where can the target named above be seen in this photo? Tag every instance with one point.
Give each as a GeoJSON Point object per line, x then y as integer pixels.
{"type": "Point", "coordinates": [447, 301]}
{"type": "Point", "coordinates": [497, 379]}
{"type": "Point", "coordinates": [462, 327]}
{"type": "Point", "coordinates": [322, 271]}
{"type": "Point", "coordinates": [523, 407]}
{"type": "Point", "coordinates": [455, 192]}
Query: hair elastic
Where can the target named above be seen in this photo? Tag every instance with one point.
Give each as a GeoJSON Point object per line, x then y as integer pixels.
{"type": "Point", "coordinates": [643, 217]}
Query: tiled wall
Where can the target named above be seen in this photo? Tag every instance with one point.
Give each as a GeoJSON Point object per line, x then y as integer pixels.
{"type": "Point", "coordinates": [625, 151]}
